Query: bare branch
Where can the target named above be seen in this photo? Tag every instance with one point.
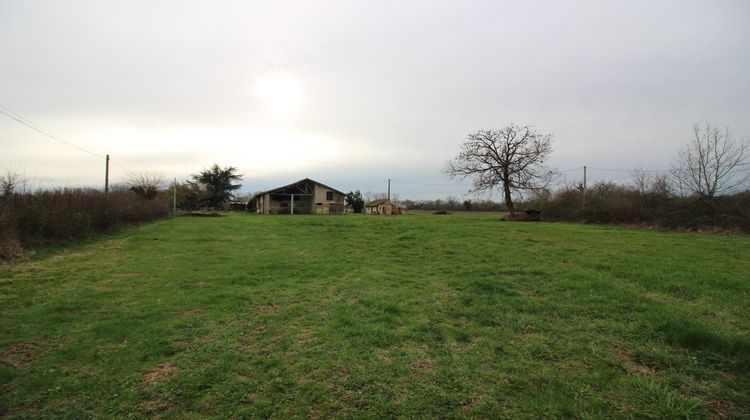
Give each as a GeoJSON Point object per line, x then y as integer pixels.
{"type": "Point", "coordinates": [145, 184]}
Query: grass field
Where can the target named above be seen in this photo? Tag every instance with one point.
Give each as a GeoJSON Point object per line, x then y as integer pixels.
{"type": "Point", "coordinates": [423, 315]}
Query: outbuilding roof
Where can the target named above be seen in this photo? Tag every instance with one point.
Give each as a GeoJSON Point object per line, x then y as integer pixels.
{"type": "Point", "coordinates": [378, 202]}
{"type": "Point", "coordinates": [296, 183]}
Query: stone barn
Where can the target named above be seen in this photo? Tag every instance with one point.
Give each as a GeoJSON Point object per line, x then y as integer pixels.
{"type": "Point", "coordinates": [384, 206]}
{"type": "Point", "coordinates": [302, 197]}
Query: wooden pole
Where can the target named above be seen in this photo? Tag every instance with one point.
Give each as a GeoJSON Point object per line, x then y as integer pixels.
{"type": "Point", "coordinates": [106, 176]}
{"type": "Point", "coordinates": [389, 190]}
{"type": "Point", "coordinates": [292, 209]}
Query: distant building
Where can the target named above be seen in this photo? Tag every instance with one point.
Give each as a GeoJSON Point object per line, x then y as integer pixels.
{"type": "Point", "coordinates": [384, 206]}
{"type": "Point", "coordinates": [302, 197]}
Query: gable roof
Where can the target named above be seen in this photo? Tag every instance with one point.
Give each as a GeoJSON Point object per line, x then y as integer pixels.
{"type": "Point", "coordinates": [296, 183]}
{"type": "Point", "coordinates": [377, 202]}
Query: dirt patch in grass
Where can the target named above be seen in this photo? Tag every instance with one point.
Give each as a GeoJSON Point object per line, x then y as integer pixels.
{"type": "Point", "coordinates": [306, 337]}
{"type": "Point", "coordinates": [720, 408]}
{"type": "Point", "coordinates": [160, 372]}
{"type": "Point", "coordinates": [68, 255]}
{"type": "Point", "coordinates": [249, 399]}
{"type": "Point", "coordinates": [631, 364]}
{"type": "Point", "coordinates": [128, 274]}
{"type": "Point", "coordinates": [470, 403]}
{"type": "Point", "coordinates": [22, 353]}
{"type": "Point", "coordinates": [423, 365]}
{"type": "Point", "coordinates": [192, 312]}
{"type": "Point", "coordinates": [115, 244]}
{"type": "Point", "coordinates": [383, 358]}
{"type": "Point", "coordinates": [154, 407]}
{"type": "Point", "coordinates": [266, 309]}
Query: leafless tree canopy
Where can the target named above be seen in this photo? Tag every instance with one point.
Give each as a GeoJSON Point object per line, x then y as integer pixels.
{"type": "Point", "coordinates": [9, 182]}
{"type": "Point", "coordinates": [145, 184]}
{"type": "Point", "coordinates": [511, 158]}
{"type": "Point", "coordinates": [713, 163]}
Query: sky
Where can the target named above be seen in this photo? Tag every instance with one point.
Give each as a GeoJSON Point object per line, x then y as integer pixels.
{"type": "Point", "coordinates": [352, 93]}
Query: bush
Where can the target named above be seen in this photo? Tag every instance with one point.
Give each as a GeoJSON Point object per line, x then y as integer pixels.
{"type": "Point", "coordinates": [29, 219]}
{"type": "Point", "coordinates": [612, 203]}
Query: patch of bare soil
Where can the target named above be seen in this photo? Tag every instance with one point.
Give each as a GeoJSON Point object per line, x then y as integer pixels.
{"type": "Point", "coordinates": [423, 365]}
{"type": "Point", "coordinates": [471, 402]}
{"type": "Point", "coordinates": [628, 360]}
{"type": "Point", "coordinates": [721, 409]}
{"type": "Point", "coordinates": [305, 337]}
{"type": "Point", "coordinates": [115, 244]}
{"type": "Point", "coordinates": [192, 312]}
{"type": "Point", "coordinates": [128, 274]}
{"type": "Point", "coordinates": [249, 399]}
{"type": "Point", "coordinates": [160, 372]}
{"type": "Point", "coordinates": [154, 407]}
{"type": "Point", "coordinates": [22, 353]}
{"type": "Point", "coordinates": [383, 358]}
{"type": "Point", "coordinates": [266, 309]}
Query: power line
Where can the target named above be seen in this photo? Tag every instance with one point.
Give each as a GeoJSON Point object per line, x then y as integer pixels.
{"type": "Point", "coordinates": [426, 183]}
{"type": "Point", "coordinates": [629, 170]}
{"type": "Point", "coordinates": [36, 128]}
{"type": "Point", "coordinates": [25, 121]}
{"type": "Point", "coordinates": [660, 170]}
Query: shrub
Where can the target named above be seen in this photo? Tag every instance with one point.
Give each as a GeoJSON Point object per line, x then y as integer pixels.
{"type": "Point", "coordinates": [611, 203]}
{"type": "Point", "coordinates": [31, 219]}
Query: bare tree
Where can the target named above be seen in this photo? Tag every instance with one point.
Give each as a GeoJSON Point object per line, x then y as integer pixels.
{"type": "Point", "coordinates": [12, 182]}
{"type": "Point", "coordinates": [640, 180]}
{"type": "Point", "coordinates": [712, 163]}
{"type": "Point", "coordinates": [370, 196]}
{"type": "Point", "coordinates": [145, 184]}
{"type": "Point", "coordinates": [511, 158]}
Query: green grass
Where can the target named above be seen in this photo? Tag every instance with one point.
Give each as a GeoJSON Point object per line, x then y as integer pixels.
{"type": "Point", "coordinates": [424, 315]}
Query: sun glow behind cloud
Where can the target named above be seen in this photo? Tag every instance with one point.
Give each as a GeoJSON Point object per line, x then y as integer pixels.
{"type": "Point", "coordinates": [281, 92]}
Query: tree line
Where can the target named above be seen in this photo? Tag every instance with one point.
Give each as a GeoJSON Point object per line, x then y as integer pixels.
{"type": "Point", "coordinates": [704, 187]}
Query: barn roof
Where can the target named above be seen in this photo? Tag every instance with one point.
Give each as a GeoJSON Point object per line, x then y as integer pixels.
{"type": "Point", "coordinates": [297, 183]}
{"type": "Point", "coordinates": [377, 202]}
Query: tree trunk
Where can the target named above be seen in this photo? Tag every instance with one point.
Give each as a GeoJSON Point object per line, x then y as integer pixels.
{"type": "Point", "coordinates": [508, 198]}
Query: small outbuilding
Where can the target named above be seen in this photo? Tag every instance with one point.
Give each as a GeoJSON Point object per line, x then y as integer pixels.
{"type": "Point", "coordinates": [305, 196]}
{"type": "Point", "coordinates": [384, 206]}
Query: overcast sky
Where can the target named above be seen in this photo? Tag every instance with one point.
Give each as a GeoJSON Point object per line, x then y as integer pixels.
{"type": "Point", "coordinates": [352, 93]}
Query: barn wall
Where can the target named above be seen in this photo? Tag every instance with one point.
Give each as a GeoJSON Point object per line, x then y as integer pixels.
{"type": "Point", "coordinates": [281, 204]}
{"type": "Point", "coordinates": [326, 205]}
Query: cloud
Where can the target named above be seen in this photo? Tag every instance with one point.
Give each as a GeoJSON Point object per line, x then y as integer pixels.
{"type": "Point", "coordinates": [379, 88]}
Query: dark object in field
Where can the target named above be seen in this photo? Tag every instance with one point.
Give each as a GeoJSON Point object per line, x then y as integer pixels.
{"type": "Point", "coordinates": [441, 212]}
{"type": "Point", "coordinates": [530, 215]}
{"type": "Point", "coordinates": [200, 214]}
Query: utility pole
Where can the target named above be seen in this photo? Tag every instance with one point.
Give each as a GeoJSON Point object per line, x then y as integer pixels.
{"type": "Point", "coordinates": [389, 190]}
{"type": "Point", "coordinates": [106, 177]}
